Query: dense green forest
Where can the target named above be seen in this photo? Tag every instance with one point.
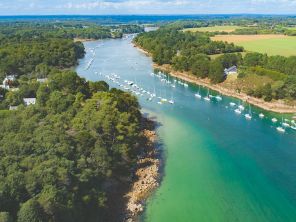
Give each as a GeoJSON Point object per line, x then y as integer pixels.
{"type": "Point", "coordinates": [28, 30]}
{"type": "Point", "coordinates": [191, 52]}
{"type": "Point", "coordinates": [34, 48]}
{"type": "Point", "coordinates": [60, 159]}
{"type": "Point", "coordinates": [56, 156]}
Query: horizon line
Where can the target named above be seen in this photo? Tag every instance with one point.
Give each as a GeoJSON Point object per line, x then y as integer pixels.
{"type": "Point", "coordinates": [188, 14]}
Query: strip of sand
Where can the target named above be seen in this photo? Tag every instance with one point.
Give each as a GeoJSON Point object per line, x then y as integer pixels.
{"type": "Point", "coordinates": [274, 106]}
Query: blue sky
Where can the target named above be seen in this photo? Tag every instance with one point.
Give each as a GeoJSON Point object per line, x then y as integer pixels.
{"type": "Point", "coordinates": [103, 7]}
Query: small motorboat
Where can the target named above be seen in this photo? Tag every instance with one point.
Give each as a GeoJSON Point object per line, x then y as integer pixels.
{"type": "Point", "coordinates": [280, 129]}
{"type": "Point", "coordinates": [248, 116]}
{"type": "Point", "coordinates": [218, 98]}
{"type": "Point", "coordinates": [197, 95]}
{"type": "Point", "coordinates": [238, 111]}
{"type": "Point", "coordinates": [241, 107]}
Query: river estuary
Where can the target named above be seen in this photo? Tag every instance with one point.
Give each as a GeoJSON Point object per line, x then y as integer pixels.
{"type": "Point", "coordinates": [219, 166]}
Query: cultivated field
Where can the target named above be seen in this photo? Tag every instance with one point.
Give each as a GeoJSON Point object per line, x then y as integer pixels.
{"type": "Point", "coordinates": [270, 44]}
{"type": "Point", "coordinates": [215, 29]}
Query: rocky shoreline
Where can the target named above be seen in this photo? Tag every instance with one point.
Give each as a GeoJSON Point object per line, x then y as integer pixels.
{"type": "Point", "coordinates": [147, 177]}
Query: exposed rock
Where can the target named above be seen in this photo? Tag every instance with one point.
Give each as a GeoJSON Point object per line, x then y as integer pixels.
{"type": "Point", "coordinates": [147, 176]}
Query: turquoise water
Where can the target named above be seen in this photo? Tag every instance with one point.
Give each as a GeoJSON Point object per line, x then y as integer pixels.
{"type": "Point", "coordinates": [218, 165]}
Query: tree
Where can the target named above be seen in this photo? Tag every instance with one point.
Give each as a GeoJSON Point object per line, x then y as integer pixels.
{"type": "Point", "coordinates": [200, 65]}
{"type": "Point", "coordinates": [98, 86]}
{"type": "Point", "coordinates": [5, 217]}
{"type": "Point", "coordinates": [255, 59]}
{"type": "Point", "coordinates": [216, 71]}
{"type": "Point", "coordinates": [31, 211]}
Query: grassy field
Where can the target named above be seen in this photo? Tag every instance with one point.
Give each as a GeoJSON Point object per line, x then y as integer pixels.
{"type": "Point", "coordinates": [215, 29]}
{"type": "Point", "coordinates": [270, 44]}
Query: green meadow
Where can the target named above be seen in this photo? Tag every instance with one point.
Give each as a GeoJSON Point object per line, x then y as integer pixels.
{"type": "Point", "coordinates": [282, 46]}
{"type": "Point", "coordinates": [226, 28]}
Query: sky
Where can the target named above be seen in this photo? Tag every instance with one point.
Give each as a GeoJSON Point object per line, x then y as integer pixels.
{"type": "Point", "coordinates": [119, 7]}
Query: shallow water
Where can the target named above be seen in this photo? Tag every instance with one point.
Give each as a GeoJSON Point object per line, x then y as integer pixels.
{"type": "Point", "coordinates": [218, 165]}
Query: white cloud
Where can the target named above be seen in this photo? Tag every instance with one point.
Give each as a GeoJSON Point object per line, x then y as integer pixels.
{"type": "Point", "coordinates": [123, 4]}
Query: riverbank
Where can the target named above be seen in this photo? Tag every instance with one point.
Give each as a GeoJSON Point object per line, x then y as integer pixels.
{"type": "Point", "coordinates": [83, 40]}
{"type": "Point", "coordinates": [146, 175]}
{"type": "Point", "coordinates": [274, 106]}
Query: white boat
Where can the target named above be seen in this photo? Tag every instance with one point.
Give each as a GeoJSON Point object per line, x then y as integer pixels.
{"type": "Point", "coordinates": [286, 124]}
{"type": "Point", "coordinates": [185, 84]}
{"type": "Point", "coordinates": [238, 111]}
{"type": "Point", "coordinates": [248, 116]}
{"type": "Point", "coordinates": [218, 98]}
{"type": "Point", "coordinates": [280, 129]}
{"type": "Point", "coordinates": [174, 86]}
{"type": "Point", "coordinates": [232, 104]}
{"type": "Point", "coordinates": [293, 127]}
{"type": "Point", "coordinates": [159, 103]}
{"type": "Point", "coordinates": [261, 115]}
{"type": "Point", "coordinates": [241, 107]}
{"type": "Point", "coordinates": [197, 95]}
{"type": "Point", "coordinates": [207, 98]}
{"type": "Point", "coordinates": [274, 120]}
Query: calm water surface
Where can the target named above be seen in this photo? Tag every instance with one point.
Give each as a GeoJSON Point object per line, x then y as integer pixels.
{"type": "Point", "coordinates": [218, 165]}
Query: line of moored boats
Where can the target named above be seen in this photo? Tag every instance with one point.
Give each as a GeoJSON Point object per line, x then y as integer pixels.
{"type": "Point", "coordinates": [137, 90]}
{"type": "Point", "coordinates": [238, 108]}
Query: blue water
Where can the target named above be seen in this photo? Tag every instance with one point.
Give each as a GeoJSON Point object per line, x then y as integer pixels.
{"type": "Point", "coordinates": [218, 165]}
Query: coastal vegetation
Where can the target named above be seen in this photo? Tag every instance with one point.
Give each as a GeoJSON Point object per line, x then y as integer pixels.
{"type": "Point", "coordinates": [34, 48]}
{"type": "Point", "coordinates": [190, 52]}
{"type": "Point", "coordinates": [28, 30]}
{"type": "Point", "coordinates": [64, 157]}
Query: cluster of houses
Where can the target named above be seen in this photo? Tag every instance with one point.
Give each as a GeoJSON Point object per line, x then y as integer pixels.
{"type": "Point", "coordinates": [7, 84]}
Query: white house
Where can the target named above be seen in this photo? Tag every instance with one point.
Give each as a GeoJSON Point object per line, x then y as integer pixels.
{"type": "Point", "coordinates": [230, 71]}
{"type": "Point", "coordinates": [12, 107]}
{"type": "Point", "coordinates": [7, 81]}
{"type": "Point", "coordinates": [29, 101]}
